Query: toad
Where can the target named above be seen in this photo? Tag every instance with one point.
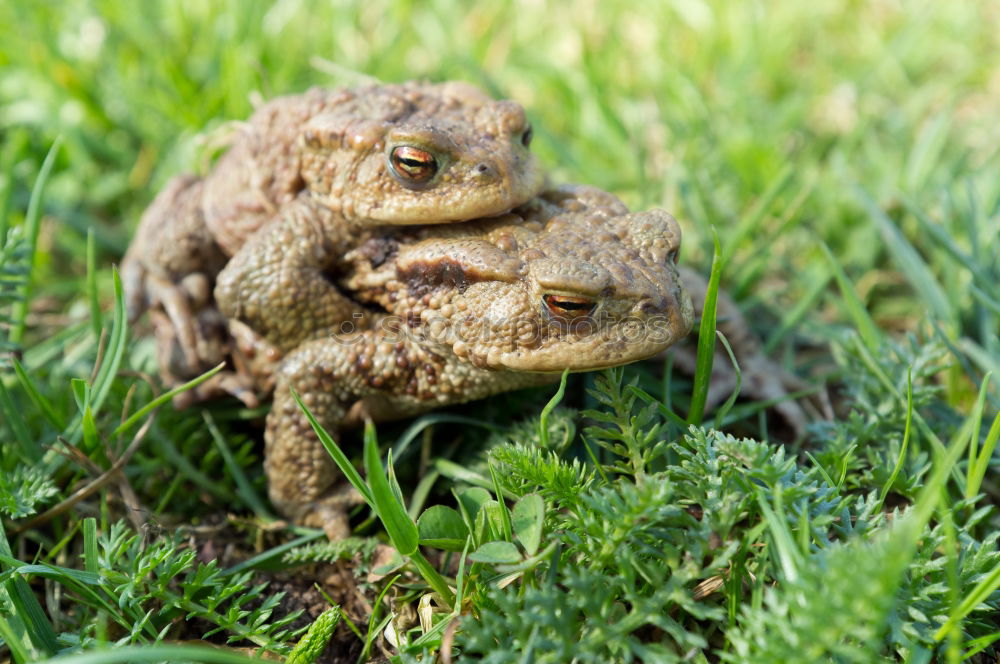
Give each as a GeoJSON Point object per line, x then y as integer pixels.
{"type": "Point", "coordinates": [445, 314]}
{"type": "Point", "coordinates": [297, 179]}
{"type": "Point", "coordinates": [449, 314]}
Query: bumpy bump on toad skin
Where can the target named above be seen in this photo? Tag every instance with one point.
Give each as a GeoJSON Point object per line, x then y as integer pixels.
{"type": "Point", "coordinates": [328, 161]}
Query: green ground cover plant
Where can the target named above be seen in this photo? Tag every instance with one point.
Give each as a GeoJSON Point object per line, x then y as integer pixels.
{"type": "Point", "coordinates": [846, 156]}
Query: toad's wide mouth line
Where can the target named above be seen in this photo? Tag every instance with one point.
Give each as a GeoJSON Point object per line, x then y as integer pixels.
{"type": "Point", "coordinates": [521, 334]}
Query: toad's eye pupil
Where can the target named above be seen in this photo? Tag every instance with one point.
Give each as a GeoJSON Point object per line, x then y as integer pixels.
{"type": "Point", "coordinates": [527, 136]}
{"type": "Point", "coordinates": [569, 308]}
{"type": "Point", "coordinates": [412, 165]}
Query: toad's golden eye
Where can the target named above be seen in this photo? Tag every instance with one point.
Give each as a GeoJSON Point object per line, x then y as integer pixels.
{"type": "Point", "coordinates": [412, 165]}
{"type": "Point", "coordinates": [527, 136]}
{"type": "Point", "coordinates": [569, 308]}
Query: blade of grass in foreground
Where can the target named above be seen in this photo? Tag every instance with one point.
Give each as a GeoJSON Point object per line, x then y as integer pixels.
{"type": "Point", "coordinates": [27, 616]}
{"type": "Point", "coordinates": [116, 348]}
{"type": "Point", "coordinates": [706, 339]}
{"type": "Point", "coordinates": [976, 417]}
{"type": "Point", "coordinates": [338, 456]}
{"type": "Point", "coordinates": [982, 463]}
{"type": "Point", "coordinates": [379, 494]}
{"type": "Point", "coordinates": [402, 530]}
{"type": "Point", "coordinates": [157, 653]}
{"type": "Point", "coordinates": [244, 489]}
{"type": "Point", "coordinates": [543, 419]}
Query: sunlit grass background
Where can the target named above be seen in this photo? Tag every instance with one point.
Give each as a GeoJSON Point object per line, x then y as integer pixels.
{"type": "Point", "coordinates": [868, 127]}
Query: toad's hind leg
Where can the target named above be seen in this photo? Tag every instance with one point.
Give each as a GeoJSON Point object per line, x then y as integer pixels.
{"type": "Point", "coordinates": [300, 474]}
{"type": "Point", "coordinates": [170, 265]}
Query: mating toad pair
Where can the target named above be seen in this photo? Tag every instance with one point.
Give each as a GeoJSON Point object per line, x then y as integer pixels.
{"type": "Point", "coordinates": [384, 251]}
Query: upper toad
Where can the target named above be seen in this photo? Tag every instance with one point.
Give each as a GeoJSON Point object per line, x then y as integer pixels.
{"type": "Point", "coordinates": [316, 165]}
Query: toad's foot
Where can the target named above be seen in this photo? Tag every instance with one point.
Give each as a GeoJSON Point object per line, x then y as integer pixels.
{"type": "Point", "coordinates": [252, 361]}
{"type": "Point", "coordinates": [196, 335]}
{"type": "Point", "coordinates": [329, 511]}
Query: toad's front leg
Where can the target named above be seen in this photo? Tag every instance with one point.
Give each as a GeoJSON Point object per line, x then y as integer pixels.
{"type": "Point", "coordinates": [275, 283]}
{"type": "Point", "coordinates": [379, 374]}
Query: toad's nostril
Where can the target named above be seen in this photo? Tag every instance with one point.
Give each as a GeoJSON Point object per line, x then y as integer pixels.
{"type": "Point", "coordinates": [483, 169]}
{"type": "Point", "coordinates": [648, 308]}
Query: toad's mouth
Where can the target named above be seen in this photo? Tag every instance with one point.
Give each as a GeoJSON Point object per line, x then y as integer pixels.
{"type": "Point", "coordinates": [585, 348]}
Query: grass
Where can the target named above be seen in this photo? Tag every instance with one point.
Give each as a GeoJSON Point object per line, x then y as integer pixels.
{"type": "Point", "coordinates": [846, 152]}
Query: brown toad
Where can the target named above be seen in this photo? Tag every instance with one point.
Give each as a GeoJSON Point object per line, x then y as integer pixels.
{"type": "Point", "coordinates": [299, 176]}
{"type": "Point", "coordinates": [453, 313]}
{"type": "Point", "coordinates": [450, 313]}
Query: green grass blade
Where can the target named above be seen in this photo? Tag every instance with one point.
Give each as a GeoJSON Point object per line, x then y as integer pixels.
{"type": "Point", "coordinates": [32, 223]}
{"type": "Point", "coordinates": [14, 145]}
{"type": "Point", "coordinates": [789, 555]}
{"type": "Point", "coordinates": [976, 420]}
{"type": "Point", "coordinates": [903, 447]}
{"type": "Point", "coordinates": [419, 495]}
{"type": "Point", "coordinates": [93, 299]}
{"type": "Point", "coordinates": [153, 654]}
{"type": "Point", "coordinates": [872, 364]}
{"type": "Point", "coordinates": [273, 554]}
{"type": "Point", "coordinates": [243, 487]}
{"type": "Point", "coordinates": [90, 560]}
{"type": "Point", "coordinates": [26, 608]}
{"type": "Point", "coordinates": [401, 529]}
{"type": "Point", "coordinates": [12, 639]}
{"type": "Point", "coordinates": [927, 150]}
{"type": "Point", "coordinates": [909, 261]}
{"type": "Point", "coordinates": [977, 596]}
{"type": "Point", "coordinates": [543, 419]}
{"type": "Point", "coordinates": [29, 448]}
{"type": "Point", "coordinates": [750, 223]}
{"type": "Point", "coordinates": [162, 399]}
{"type": "Point", "coordinates": [661, 407]}
{"type": "Point", "coordinates": [37, 397]}
{"type": "Point", "coordinates": [505, 523]}
{"type": "Point", "coordinates": [942, 239]}
{"type": "Point", "coordinates": [706, 339]}
{"type": "Point", "coordinates": [982, 463]}
{"type": "Point", "coordinates": [116, 348]}
{"type": "Point", "coordinates": [338, 456]}
{"type": "Point", "coordinates": [855, 308]}
{"type": "Point", "coordinates": [373, 628]}
{"type": "Point", "coordinates": [724, 409]}
{"type": "Point", "coordinates": [980, 644]}
{"type": "Point", "coordinates": [794, 316]}
{"type": "Point", "coordinates": [406, 439]}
